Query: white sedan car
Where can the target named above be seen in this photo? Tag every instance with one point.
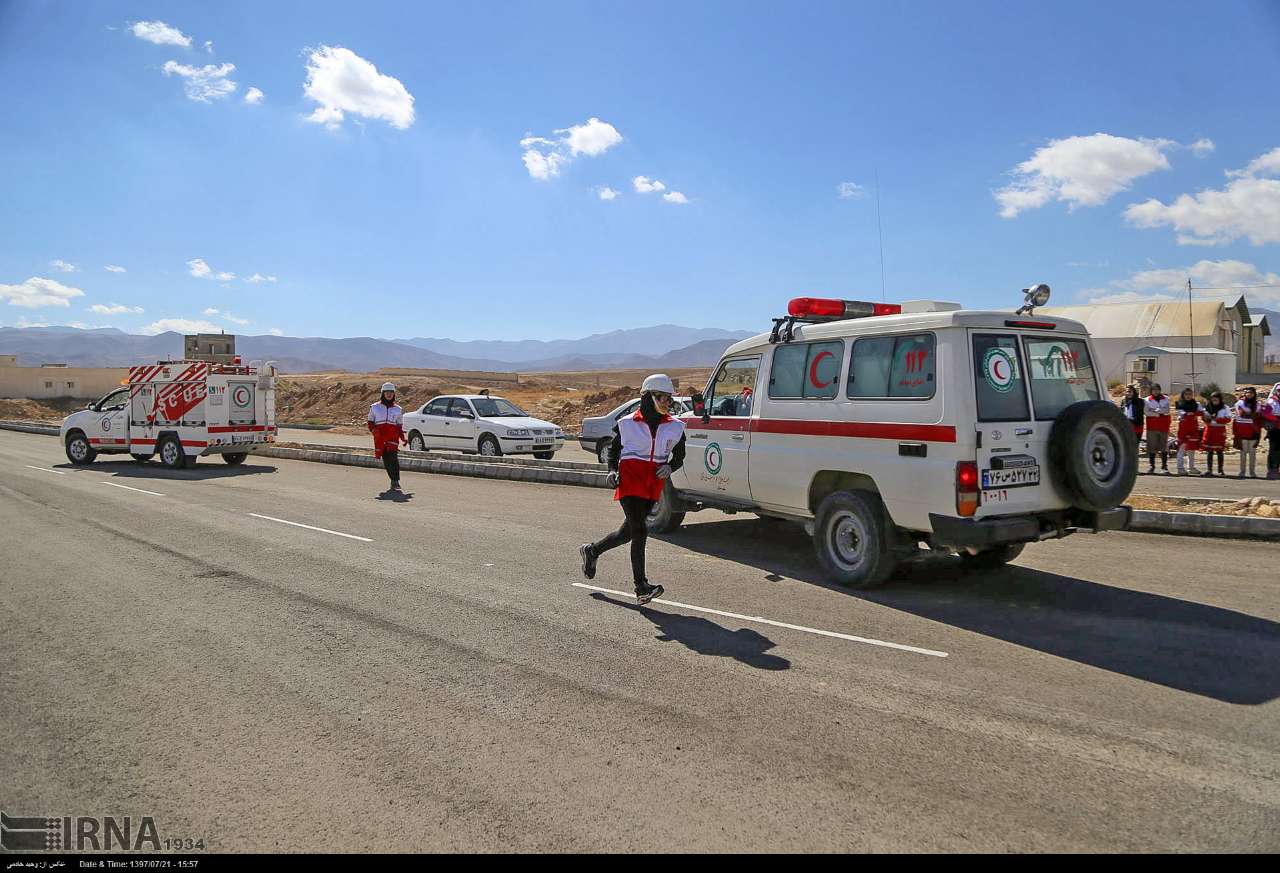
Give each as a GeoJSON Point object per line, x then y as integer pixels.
{"type": "Point", "coordinates": [477, 423]}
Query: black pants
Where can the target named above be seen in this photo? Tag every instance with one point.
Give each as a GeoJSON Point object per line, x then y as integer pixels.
{"type": "Point", "coordinates": [1273, 450]}
{"type": "Point", "coordinates": [633, 531]}
{"type": "Point", "coordinates": [1208, 459]}
{"type": "Point", "coordinates": [391, 462]}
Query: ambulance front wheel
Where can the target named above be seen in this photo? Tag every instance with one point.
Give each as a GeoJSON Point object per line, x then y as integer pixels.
{"type": "Point", "coordinates": [663, 518]}
{"type": "Point", "coordinates": [78, 449]}
{"type": "Point", "coordinates": [235, 459]}
{"type": "Point", "coordinates": [851, 539]}
{"type": "Point", "coordinates": [171, 453]}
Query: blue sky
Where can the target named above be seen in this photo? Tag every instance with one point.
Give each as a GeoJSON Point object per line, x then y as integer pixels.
{"type": "Point", "coordinates": [379, 216]}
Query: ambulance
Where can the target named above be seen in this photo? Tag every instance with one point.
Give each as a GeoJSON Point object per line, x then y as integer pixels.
{"type": "Point", "coordinates": [888, 428]}
{"type": "Point", "coordinates": [179, 411]}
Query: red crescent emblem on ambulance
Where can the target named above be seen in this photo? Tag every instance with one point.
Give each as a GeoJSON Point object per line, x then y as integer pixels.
{"type": "Point", "coordinates": [813, 370]}
{"type": "Point", "coordinates": [995, 369]}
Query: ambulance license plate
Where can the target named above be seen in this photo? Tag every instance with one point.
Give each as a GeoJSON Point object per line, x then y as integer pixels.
{"type": "Point", "coordinates": [993, 497]}
{"type": "Point", "coordinates": [1017, 477]}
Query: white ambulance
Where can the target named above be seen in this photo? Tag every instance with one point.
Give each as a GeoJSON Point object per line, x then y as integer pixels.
{"type": "Point", "coordinates": [179, 410]}
{"type": "Point", "coordinates": [883, 428]}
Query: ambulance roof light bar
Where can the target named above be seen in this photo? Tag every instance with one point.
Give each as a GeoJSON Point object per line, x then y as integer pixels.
{"type": "Point", "coordinates": [817, 309]}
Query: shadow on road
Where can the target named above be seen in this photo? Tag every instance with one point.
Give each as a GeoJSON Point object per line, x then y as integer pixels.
{"type": "Point", "coordinates": [208, 468]}
{"type": "Point", "coordinates": [1207, 650]}
{"type": "Point", "coordinates": [395, 496]}
{"type": "Point", "coordinates": [706, 637]}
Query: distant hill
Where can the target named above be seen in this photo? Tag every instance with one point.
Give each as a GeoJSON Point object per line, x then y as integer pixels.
{"type": "Point", "coordinates": [650, 341]}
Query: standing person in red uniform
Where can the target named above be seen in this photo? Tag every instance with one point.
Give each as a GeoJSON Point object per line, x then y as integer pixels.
{"type": "Point", "coordinates": [1217, 415]}
{"type": "Point", "coordinates": [1134, 409]}
{"type": "Point", "coordinates": [1158, 421]}
{"type": "Point", "coordinates": [1189, 435]}
{"type": "Point", "coordinates": [646, 449]}
{"type": "Point", "coordinates": [386, 424]}
{"type": "Point", "coordinates": [1247, 427]}
{"type": "Point", "coordinates": [1271, 421]}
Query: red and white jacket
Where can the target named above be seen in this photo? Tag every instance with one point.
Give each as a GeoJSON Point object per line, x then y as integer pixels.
{"type": "Point", "coordinates": [1215, 435]}
{"type": "Point", "coordinates": [386, 425]}
{"type": "Point", "coordinates": [642, 451]}
{"type": "Point", "coordinates": [1246, 426]}
{"type": "Point", "coordinates": [1158, 417]}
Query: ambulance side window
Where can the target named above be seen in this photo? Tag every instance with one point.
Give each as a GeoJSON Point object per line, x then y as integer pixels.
{"type": "Point", "coordinates": [893, 367]}
{"type": "Point", "coordinates": [731, 391]}
{"type": "Point", "coordinates": [806, 371]}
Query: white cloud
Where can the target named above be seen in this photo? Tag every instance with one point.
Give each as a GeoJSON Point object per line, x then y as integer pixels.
{"type": "Point", "coordinates": [201, 270]}
{"type": "Point", "coordinates": [275, 331]}
{"type": "Point", "coordinates": [1081, 171]}
{"type": "Point", "coordinates": [203, 84]}
{"type": "Point", "coordinates": [645, 185]}
{"type": "Point", "coordinates": [37, 292]}
{"type": "Point", "coordinates": [63, 266]}
{"type": "Point", "coordinates": [115, 268]}
{"type": "Point", "coordinates": [850, 191]}
{"type": "Point", "coordinates": [1208, 278]}
{"type": "Point", "coordinates": [544, 157]}
{"type": "Point", "coordinates": [341, 81]}
{"type": "Point", "coordinates": [181, 325]}
{"type": "Point", "coordinates": [115, 309]}
{"type": "Point", "coordinates": [253, 96]}
{"type": "Point", "coordinates": [257, 278]}
{"type": "Point", "coordinates": [225, 316]}
{"type": "Point", "coordinates": [1202, 148]}
{"type": "Point", "coordinates": [604, 192]}
{"type": "Point", "coordinates": [1248, 207]}
{"type": "Point", "coordinates": [160, 33]}
{"type": "Point", "coordinates": [675, 197]}
{"type": "Point", "coordinates": [208, 46]}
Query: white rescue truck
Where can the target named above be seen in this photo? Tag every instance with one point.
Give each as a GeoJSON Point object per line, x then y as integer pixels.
{"type": "Point", "coordinates": [885, 427]}
{"type": "Point", "coordinates": [179, 410]}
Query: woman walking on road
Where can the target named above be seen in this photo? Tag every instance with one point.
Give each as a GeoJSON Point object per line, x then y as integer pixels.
{"type": "Point", "coordinates": [1217, 415]}
{"type": "Point", "coordinates": [1246, 427]}
{"type": "Point", "coordinates": [385, 423]}
{"type": "Point", "coordinates": [646, 449]}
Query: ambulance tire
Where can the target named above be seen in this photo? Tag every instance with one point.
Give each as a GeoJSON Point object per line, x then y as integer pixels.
{"type": "Point", "coordinates": [663, 518]}
{"type": "Point", "coordinates": [78, 449]}
{"type": "Point", "coordinates": [992, 559]}
{"type": "Point", "coordinates": [234, 459]}
{"type": "Point", "coordinates": [1092, 455]}
{"type": "Point", "coordinates": [851, 539]}
{"type": "Point", "coordinates": [171, 454]}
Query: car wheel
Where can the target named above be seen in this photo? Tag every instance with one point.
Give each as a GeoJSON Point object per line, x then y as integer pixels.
{"type": "Point", "coordinates": [78, 449]}
{"type": "Point", "coordinates": [489, 446]}
{"type": "Point", "coordinates": [544, 456]}
{"type": "Point", "coordinates": [171, 453]}
{"type": "Point", "coordinates": [1092, 455]}
{"type": "Point", "coordinates": [415, 442]}
{"type": "Point", "coordinates": [663, 518]}
{"type": "Point", "coordinates": [234, 459]}
{"type": "Point", "coordinates": [602, 451]}
{"type": "Point", "coordinates": [992, 559]}
{"type": "Point", "coordinates": [851, 539]}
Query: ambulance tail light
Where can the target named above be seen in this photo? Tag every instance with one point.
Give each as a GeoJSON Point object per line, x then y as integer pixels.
{"type": "Point", "coordinates": [819, 307]}
{"type": "Point", "coordinates": [967, 489]}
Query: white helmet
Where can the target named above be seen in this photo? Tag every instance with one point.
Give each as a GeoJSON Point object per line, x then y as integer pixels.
{"type": "Point", "coordinates": [658, 382]}
{"type": "Point", "coordinates": [387, 386]}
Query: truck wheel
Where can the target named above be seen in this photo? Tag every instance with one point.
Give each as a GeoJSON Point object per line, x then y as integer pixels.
{"type": "Point", "coordinates": [171, 453]}
{"type": "Point", "coordinates": [602, 451]}
{"type": "Point", "coordinates": [992, 559]}
{"type": "Point", "coordinates": [663, 518]}
{"type": "Point", "coordinates": [851, 539]}
{"type": "Point", "coordinates": [78, 449]}
{"type": "Point", "coordinates": [489, 446]}
{"type": "Point", "coordinates": [235, 459]}
{"type": "Point", "coordinates": [1092, 455]}
{"type": "Point", "coordinates": [544, 456]}
{"type": "Point", "coordinates": [415, 442]}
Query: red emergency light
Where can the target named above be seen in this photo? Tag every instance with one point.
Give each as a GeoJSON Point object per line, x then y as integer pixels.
{"type": "Point", "coordinates": [819, 307]}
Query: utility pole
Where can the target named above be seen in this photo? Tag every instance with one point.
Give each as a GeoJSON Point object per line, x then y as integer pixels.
{"type": "Point", "coordinates": [1191, 330]}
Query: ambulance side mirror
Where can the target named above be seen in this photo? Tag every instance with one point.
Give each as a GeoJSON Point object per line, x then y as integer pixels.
{"type": "Point", "coordinates": [700, 406]}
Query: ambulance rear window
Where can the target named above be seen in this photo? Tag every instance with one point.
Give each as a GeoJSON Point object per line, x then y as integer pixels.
{"type": "Point", "coordinates": [1061, 374]}
{"type": "Point", "coordinates": [997, 368]}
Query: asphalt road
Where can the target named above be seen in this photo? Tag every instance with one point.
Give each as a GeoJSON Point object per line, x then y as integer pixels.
{"type": "Point", "coordinates": [438, 681]}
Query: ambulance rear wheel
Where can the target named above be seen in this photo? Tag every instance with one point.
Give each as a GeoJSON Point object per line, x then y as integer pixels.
{"type": "Point", "coordinates": [171, 453]}
{"type": "Point", "coordinates": [851, 539]}
{"type": "Point", "coordinates": [78, 449]}
{"type": "Point", "coordinates": [663, 518]}
{"type": "Point", "coordinates": [235, 459]}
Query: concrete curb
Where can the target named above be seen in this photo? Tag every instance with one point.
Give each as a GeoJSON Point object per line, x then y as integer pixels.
{"type": "Point", "coordinates": [31, 427]}
{"type": "Point", "coordinates": [305, 426]}
{"type": "Point", "coordinates": [583, 466]}
{"type": "Point", "coordinates": [1200, 524]}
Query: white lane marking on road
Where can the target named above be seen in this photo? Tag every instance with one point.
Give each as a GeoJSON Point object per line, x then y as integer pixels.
{"type": "Point", "coordinates": [336, 533]}
{"type": "Point", "coordinates": [130, 488]}
{"type": "Point", "coordinates": [810, 630]}
{"type": "Point", "coordinates": [46, 469]}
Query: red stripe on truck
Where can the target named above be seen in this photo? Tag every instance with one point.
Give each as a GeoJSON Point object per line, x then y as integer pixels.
{"type": "Point", "coordinates": [875, 430]}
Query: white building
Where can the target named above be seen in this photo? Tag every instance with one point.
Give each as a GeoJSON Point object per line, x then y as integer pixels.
{"type": "Point", "coordinates": [1174, 369]}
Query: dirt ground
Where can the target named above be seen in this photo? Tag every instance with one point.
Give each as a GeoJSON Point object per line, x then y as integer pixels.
{"type": "Point", "coordinates": [1261, 507]}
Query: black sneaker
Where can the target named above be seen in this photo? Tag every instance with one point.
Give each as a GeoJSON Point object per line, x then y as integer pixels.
{"type": "Point", "coordinates": [646, 592]}
{"type": "Point", "coordinates": [588, 555]}
{"type": "Point", "coordinates": [395, 486]}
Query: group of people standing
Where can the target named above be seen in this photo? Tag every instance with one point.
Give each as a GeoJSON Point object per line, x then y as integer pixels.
{"type": "Point", "coordinates": [1204, 426]}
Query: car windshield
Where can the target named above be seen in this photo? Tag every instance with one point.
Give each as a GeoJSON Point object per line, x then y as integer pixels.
{"type": "Point", "coordinates": [496, 407]}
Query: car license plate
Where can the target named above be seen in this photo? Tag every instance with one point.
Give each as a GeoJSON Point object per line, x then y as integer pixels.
{"type": "Point", "coordinates": [242, 438]}
{"type": "Point", "coordinates": [543, 441]}
{"type": "Point", "coordinates": [1017, 477]}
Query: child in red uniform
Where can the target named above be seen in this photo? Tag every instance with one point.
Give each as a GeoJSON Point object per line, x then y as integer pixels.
{"type": "Point", "coordinates": [1246, 428]}
{"type": "Point", "coordinates": [1217, 415]}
